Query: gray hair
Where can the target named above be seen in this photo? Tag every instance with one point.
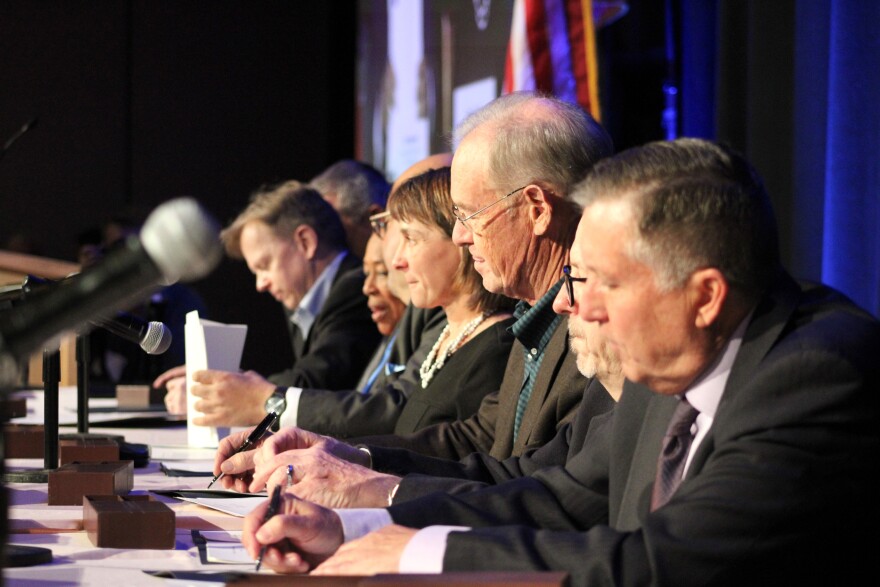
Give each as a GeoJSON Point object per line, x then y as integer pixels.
{"type": "Point", "coordinates": [696, 204]}
{"type": "Point", "coordinates": [356, 185]}
{"type": "Point", "coordinates": [538, 138]}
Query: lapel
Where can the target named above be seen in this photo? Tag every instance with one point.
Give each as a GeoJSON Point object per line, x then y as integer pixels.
{"type": "Point", "coordinates": [770, 318]}
{"type": "Point", "coordinates": [643, 440]}
{"type": "Point", "coordinates": [767, 323]}
{"type": "Point", "coordinates": [554, 355]}
{"type": "Point", "coordinates": [502, 446]}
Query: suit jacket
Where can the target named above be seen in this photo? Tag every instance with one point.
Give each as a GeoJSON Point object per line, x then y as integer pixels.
{"type": "Point", "coordinates": [780, 490]}
{"type": "Point", "coordinates": [455, 392]}
{"type": "Point", "coordinates": [415, 324]}
{"type": "Point", "coordinates": [341, 340]}
{"type": "Point", "coordinates": [555, 397]}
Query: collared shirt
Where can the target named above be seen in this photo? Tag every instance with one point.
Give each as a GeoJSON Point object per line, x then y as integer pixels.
{"type": "Point", "coordinates": [304, 317]}
{"type": "Point", "coordinates": [310, 305]}
{"type": "Point", "coordinates": [705, 393]}
{"type": "Point", "coordinates": [534, 327]}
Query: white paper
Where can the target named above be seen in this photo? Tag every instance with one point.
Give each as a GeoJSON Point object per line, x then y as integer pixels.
{"type": "Point", "coordinates": [209, 345]}
{"type": "Point", "coordinates": [234, 506]}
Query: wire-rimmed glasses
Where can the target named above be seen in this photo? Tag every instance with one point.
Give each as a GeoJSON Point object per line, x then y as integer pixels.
{"type": "Point", "coordinates": [464, 219]}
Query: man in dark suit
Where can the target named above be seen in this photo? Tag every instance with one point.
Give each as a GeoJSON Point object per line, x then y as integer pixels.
{"type": "Point", "coordinates": [676, 258]}
{"type": "Point", "coordinates": [294, 243]}
{"type": "Point", "coordinates": [518, 221]}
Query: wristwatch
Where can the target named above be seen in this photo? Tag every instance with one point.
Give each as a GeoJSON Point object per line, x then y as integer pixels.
{"type": "Point", "coordinates": [277, 403]}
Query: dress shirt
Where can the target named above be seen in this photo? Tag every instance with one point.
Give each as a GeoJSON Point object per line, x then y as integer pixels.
{"type": "Point", "coordinates": [310, 305]}
{"type": "Point", "coordinates": [534, 327]}
{"type": "Point", "coordinates": [303, 317]}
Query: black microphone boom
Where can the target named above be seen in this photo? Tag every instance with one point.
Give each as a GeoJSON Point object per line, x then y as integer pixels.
{"type": "Point", "coordinates": [24, 128]}
{"type": "Point", "coordinates": [179, 240]}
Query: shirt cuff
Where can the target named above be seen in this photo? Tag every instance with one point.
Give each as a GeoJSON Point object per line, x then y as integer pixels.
{"type": "Point", "coordinates": [425, 551]}
{"type": "Point", "coordinates": [289, 416]}
{"type": "Point", "coordinates": [357, 522]}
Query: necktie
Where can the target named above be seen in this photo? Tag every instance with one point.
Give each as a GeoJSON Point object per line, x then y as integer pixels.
{"type": "Point", "coordinates": [676, 444]}
{"type": "Point", "coordinates": [380, 366]}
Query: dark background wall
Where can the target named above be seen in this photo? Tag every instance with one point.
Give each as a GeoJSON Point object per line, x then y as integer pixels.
{"type": "Point", "coordinates": [139, 102]}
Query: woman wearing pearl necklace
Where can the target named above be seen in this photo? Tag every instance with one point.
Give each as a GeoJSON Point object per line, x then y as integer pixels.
{"type": "Point", "coordinates": [471, 352]}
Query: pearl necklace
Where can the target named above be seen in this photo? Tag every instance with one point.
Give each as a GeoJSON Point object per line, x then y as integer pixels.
{"type": "Point", "coordinates": [433, 362]}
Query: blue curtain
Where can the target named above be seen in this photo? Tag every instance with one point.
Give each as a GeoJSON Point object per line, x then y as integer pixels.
{"type": "Point", "coordinates": [795, 85]}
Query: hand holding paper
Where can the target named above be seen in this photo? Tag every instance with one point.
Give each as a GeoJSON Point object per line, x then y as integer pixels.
{"type": "Point", "coordinates": [209, 345]}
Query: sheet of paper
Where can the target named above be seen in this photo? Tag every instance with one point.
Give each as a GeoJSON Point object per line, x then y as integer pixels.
{"type": "Point", "coordinates": [239, 507]}
{"type": "Point", "coordinates": [181, 453]}
{"type": "Point", "coordinates": [209, 345]}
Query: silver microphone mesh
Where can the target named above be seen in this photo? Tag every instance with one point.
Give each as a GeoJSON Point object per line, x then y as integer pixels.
{"type": "Point", "coordinates": [157, 339]}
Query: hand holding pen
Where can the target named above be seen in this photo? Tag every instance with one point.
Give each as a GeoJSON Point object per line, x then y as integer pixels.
{"type": "Point", "coordinates": [274, 504]}
{"type": "Point", "coordinates": [252, 439]}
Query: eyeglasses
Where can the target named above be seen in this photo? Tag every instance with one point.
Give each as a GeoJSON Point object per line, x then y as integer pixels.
{"type": "Point", "coordinates": [569, 283]}
{"type": "Point", "coordinates": [379, 223]}
{"type": "Point", "coordinates": [463, 219]}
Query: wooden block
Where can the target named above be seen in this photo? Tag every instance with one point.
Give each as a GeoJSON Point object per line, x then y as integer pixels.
{"type": "Point", "coordinates": [24, 441]}
{"type": "Point", "coordinates": [87, 450]}
{"type": "Point", "coordinates": [130, 397]}
{"type": "Point", "coordinates": [135, 521]}
{"type": "Point", "coordinates": [69, 483]}
{"type": "Point", "coordinates": [12, 408]}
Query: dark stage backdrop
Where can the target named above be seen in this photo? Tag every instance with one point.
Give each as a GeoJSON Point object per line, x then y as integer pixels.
{"type": "Point", "coordinates": [142, 101]}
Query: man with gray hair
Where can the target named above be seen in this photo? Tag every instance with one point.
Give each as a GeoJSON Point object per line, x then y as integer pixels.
{"type": "Point", "coordinates": [742, 451]}
{"type": "Point", "coordinates": [356, 191]}
{"type": "Point", "coordinates": [516, 162]}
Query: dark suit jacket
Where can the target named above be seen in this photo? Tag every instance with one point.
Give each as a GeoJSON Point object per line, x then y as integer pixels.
{"type": "Point", "coordinates": [455, 392]}
{"type": "Point", "coordinates": [555, 397]}
{"type": "Point", "coordinates": [415, 324]}
{"type": "Point", "coordinates": [781, 490]}
{"type": "Point", "coordinates": [341, 340]}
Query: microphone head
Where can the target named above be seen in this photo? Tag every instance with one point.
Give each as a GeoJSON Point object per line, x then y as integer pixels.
{"type": "Point", "coordinates": [182, 239]}
{"type": "Point", "coordinates": [157, 339]}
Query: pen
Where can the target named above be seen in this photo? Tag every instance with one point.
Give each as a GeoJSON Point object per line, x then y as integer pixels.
{"type": "Point", "coordinates": [273, 509]}
{"type": "Point", "coordinates": [252, 439]}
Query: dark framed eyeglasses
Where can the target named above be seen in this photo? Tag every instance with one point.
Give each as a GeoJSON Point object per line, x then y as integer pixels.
{"type": "Point", "coordinates": [464, 219]}
{"type": "Point", "coordinates": [569, 280]}
{"type": "Point", "coordinates": [379, 223]}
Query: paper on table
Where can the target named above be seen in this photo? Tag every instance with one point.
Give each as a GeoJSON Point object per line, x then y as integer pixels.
{"type": "Point", "coordinates": [240, 506]}
{"type": "Point", "coordinates": [209, 345]}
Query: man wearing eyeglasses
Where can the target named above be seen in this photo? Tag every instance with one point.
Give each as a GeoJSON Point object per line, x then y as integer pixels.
{"type": "Point", "coordinates": [516, 161]}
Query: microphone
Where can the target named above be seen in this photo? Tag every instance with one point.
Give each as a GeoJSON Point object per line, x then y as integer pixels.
{"type": "Point", "coordinates": [24, 128]}
{"type": "Point", "coordinates": [179, 241]}
{"type": "Point", "coordinates": [153, 337]}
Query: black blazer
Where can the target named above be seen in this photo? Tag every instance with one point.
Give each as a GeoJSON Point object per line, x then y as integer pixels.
{"type": "Point", "coordinates": [555, 397]}
{"type": "Point", "coordinates": [475, 368]}
{"type": "Point", "coordinates": [781, 490]}
{"type": "Point", "coordinates": [341, 340]}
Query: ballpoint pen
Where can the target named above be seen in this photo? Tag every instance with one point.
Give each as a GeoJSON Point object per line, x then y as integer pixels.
{"type": "Point", "coordinates": [273, 509]}
{"type": "Point", "coordinates": [252, 439]}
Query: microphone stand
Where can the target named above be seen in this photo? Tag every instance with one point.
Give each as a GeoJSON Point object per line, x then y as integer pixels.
{"type": "Point", "coordinates": [51, 381]}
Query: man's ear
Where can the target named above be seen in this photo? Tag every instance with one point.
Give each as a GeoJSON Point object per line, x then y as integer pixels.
{"type": "Point", "coordinates": [306, 240]}
{"type": "Point", "coordinates": [374, 209]}
{"type": "Point", "coordinates": [710, 292]}
{"type": "Point", "coordinates": [541, 206]}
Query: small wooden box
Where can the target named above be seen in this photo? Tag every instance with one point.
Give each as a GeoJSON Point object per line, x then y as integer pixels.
{"type": "Point", "coordinates": [138, 397]}
{"type": "Point", "coordinates": [24, 441]}
{"type": "Point", "coordinates": [69, 483]}
{"type": "Point", "coordinates": [87, 450]}
{"type": "Point", "coordinates": [134, 521]}
{"type": "Point", "coordinates": [12, 407]}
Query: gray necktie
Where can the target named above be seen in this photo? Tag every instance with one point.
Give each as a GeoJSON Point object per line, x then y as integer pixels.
{"type": "Point", "coordinates": [676, 444]}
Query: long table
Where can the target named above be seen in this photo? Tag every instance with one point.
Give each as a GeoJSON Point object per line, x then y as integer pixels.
{"type": "Point", "coordinates": [32, 522]}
